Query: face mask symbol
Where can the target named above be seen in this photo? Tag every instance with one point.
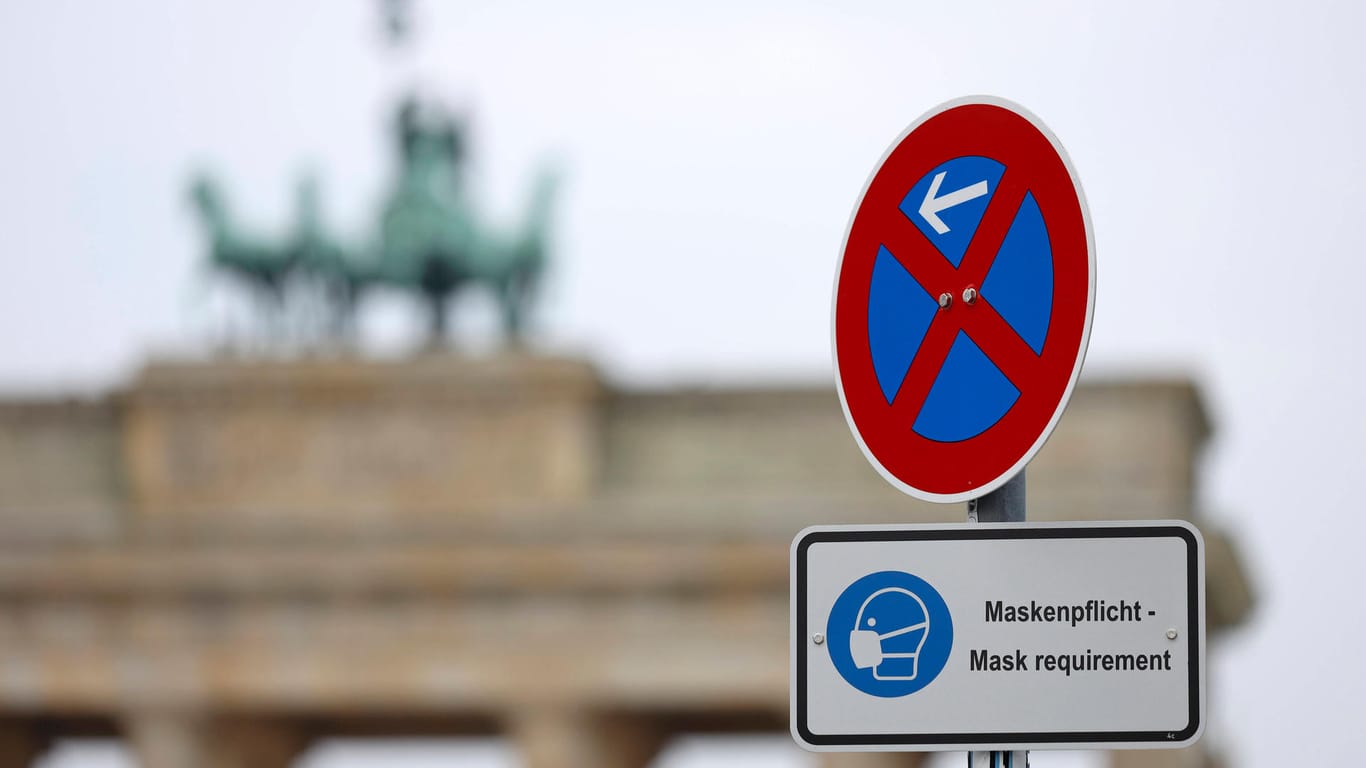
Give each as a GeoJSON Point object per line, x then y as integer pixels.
{"type": "Point", "coordinates": [866, 639]}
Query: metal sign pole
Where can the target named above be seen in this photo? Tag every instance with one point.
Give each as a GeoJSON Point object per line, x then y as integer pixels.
{"type": "Point", "coordinates": [1003, 505]}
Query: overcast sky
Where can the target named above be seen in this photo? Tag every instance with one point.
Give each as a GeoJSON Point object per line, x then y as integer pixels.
{"type": "Point", "coordinates": [713, 154]}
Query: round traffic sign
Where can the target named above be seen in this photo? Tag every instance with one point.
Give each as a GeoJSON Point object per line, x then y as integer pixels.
{"type": "Point", "coordinates": [963, 300]}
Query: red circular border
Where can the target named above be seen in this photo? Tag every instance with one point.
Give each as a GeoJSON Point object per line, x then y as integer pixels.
{"type": "Point", "coordinates": [926, 468]}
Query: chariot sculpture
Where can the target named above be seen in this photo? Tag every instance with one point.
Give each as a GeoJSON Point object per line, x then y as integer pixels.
{"type": "Point", "coordinates": [430, 240]}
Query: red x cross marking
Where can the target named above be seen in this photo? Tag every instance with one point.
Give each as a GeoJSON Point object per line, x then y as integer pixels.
{"type": "Point", "coordinates": [979, 320]}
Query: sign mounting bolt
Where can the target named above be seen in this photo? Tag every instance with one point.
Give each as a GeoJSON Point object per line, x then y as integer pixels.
{"type": "Point", "coordinates": [818, 638]}
{"type": "Point", "coordinates": [945, 300]}
{"type": "Point", "coordinates": [969, 295]}
{"type": "Point", "coordinates": [1171, 634]}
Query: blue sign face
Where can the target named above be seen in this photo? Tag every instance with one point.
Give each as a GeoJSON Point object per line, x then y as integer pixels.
{"type": "Point", "coordinates": [889, 634]}
{"type": "Point", "coordinates": [971, 392]}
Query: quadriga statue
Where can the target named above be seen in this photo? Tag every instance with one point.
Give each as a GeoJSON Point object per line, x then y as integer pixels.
{"type": "Point", "coordinates": [431, 242]}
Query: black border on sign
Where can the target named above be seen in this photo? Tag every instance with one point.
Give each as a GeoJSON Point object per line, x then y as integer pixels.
{"type": "Point", "coordinates": [1194, 608]}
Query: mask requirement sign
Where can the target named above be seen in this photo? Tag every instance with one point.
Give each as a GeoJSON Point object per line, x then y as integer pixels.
{"type": "Point", "coordinates": [998, 636]}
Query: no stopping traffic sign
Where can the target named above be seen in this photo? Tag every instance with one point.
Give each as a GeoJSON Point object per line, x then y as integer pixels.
{"type": "Point", "coordinates": [963, 300]}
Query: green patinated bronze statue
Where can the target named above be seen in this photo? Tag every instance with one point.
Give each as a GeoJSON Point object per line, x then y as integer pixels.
{"type": "Point", "coordinates": [431, 240]}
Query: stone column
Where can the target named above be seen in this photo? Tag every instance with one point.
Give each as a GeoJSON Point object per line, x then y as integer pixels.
{"type": "Point", "coordinates": [564, 738]}
{"type": "Point", "coordinates": [1190, 757]}
{"type": "Point", "coordinates": [166, 739]}
{"type": "Point", "coordinates": [873, 759]}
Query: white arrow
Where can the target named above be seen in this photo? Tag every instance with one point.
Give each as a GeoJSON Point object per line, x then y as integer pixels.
{"type": "Point", "coordinates": [931, 205]}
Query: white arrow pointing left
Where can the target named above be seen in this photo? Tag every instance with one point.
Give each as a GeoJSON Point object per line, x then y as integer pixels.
{"type": "Point", "coordinates": [932, 205]}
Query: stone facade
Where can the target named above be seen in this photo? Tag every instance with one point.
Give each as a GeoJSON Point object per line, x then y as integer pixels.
{"type": "Point", "coordinates": [227, 560]}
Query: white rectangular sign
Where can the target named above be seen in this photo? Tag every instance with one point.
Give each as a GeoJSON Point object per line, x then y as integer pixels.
{"type": "Point", "coordinates": [998, 636]}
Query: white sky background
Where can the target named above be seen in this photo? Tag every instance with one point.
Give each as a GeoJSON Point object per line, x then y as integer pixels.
{"type": "Point", "coordinates": [714, 152]}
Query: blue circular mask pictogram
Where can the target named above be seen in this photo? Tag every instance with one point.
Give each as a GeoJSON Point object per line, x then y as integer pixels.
{"type": "Point", "coordinates": [889, 634]}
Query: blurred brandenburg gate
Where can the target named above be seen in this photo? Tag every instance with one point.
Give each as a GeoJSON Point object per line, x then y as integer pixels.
{"type": "Point", "coordinates": [222, 562]}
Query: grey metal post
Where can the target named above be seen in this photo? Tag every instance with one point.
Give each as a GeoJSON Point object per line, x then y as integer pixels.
{"type": "Point", "coordinates": [1003, 505]}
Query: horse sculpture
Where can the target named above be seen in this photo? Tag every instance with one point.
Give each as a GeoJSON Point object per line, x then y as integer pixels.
{"type": "Point", "coordinates": [261, 266]}
{"type": "Point", "coordinates": [514, 271]}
